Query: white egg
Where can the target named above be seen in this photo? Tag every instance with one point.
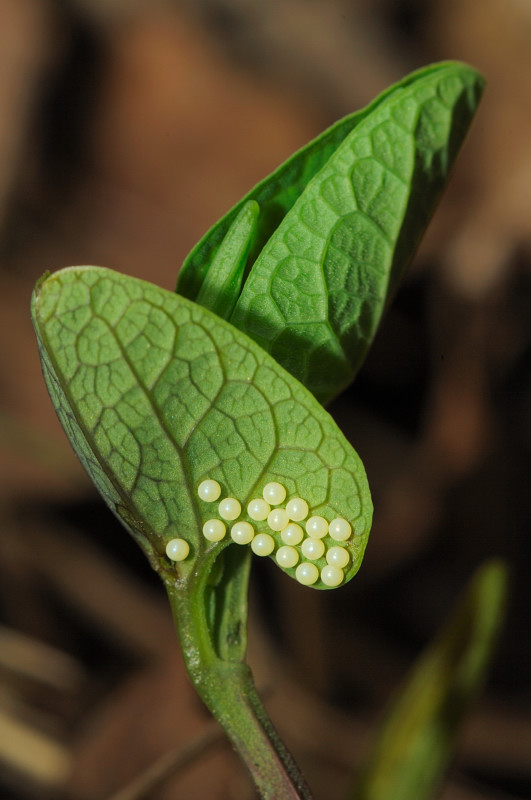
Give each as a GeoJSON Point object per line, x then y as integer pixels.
{"type": "Point", "coordinates": [317, 527]}
{"type": "Point", "coordinates": [277, 519]}
{"type": "Point", "coordinates": [258, 509]}
{"type": "Point", "coordinates": [209, 490]}
{"type": "Point", "coordinates": [177, 549]}
{"type": "Point", "coordinates": [229, 508]}
{"type": "Point", "coordinates": [263, 544]}
{"type": "Point", "coordinates": [214, 530]}
{"type": "Point", "coordinates": [287, 556]}
{"type": "Point", "coordinates": [297, 509]}
{"type": "Point", "coordinates": [242, 533]}
{"type": "Point", "coordinates": [274, 493]}
{"type": "Point", "coordinates": [312, 548]}
{"type": "Point", "coordinates": [332, 576]}
{"type": "Point", "coordinates": [292, 534]}
{"type": "Point", "coordinates": [307, 573]}
{"type": "Point", "coordinates": [340, 529]}
{"type": "Point", "coordinates": [337, 557]}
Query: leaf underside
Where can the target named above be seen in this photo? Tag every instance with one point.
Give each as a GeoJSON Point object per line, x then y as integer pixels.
{"type": "Point", "coordinates": [156, 394]}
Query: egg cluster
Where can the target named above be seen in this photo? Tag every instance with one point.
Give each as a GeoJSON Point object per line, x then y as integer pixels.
{"type": "Point", "coordinates": [300, 547]}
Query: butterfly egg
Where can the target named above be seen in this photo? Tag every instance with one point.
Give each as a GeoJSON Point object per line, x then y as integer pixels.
{"type": "Point", "coordinates": [177, 549]}
{"type": "Point", "coordinates": [337, 557]}
{"type": "Point", "coordinates": [312, 548]}
{"type": "Point", "coordinates": [209, 491]}
{"type": "Point", "coordinates": [229, 508]}
{"type": "Point", "coordinates": [263, 544]}
{"type": "Point", "coordinates": [214, 530]}
{"type": "Point", "coordinates": [297, 509]}
{"type": "Point", "coordinates": [242, 533]}
{"type": "Point", "coordinates": [340, 529]}
{"type": "Point", "coordinates": [317, 527]}
{"type": "Point", "coordinates": [307, 573]}
{"type": "Point", "coordinates": [287, 556]}
{"type": "Point", "coordinates": [277, 519]}
{"type": "Point", "coordinates": [258, 509]}
{"type": "Point", "coordinates": [331, 575]}
{"type": "Point", "coordinates": [293, 534]}
{"type": "Point", "coordinates": [274, 493]}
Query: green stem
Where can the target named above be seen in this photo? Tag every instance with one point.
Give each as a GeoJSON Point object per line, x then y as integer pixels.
{"type": "Point", "coordinates": [227, 688]}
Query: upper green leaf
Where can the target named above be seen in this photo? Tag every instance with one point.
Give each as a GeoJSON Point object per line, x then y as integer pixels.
{"type": "Point", "coordinates": [340, 221]}
{"type": "Point", "coordinates": [316, 293]}
{"type": "Point", "coordinates": [157, 393]}
{"type": "Point", "coordinates": [277, 193]}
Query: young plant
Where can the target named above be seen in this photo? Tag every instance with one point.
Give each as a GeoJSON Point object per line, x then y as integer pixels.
{"type": "Point", "coordinates": [199, 414]}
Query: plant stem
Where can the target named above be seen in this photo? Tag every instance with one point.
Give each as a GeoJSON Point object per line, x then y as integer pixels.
{"type": "Point", "coordinates": [227, 689]}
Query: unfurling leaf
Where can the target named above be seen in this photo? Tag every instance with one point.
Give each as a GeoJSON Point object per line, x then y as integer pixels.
{"type": "Point", "coordinates": [222, 284]}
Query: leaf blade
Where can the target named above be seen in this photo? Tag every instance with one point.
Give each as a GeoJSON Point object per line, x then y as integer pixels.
{"type": "Point", "coordinates": [165, 394]}
{"type": "Point", "coordinates": [277, 193]}
{"type": "Point", "coordinates": [316, 292]}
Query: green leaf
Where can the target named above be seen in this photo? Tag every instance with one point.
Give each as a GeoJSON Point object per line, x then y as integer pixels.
{"type": "Point", "coordinates": [340, 221]}
{"type": "Point", "coordinates": [315, 294]}
{"type": "Point", "coordinates": [157, 393]}
{"type": "Point", "coordinates": [418, 737]}
{"type": "Point", "coordinates": [277, 193]}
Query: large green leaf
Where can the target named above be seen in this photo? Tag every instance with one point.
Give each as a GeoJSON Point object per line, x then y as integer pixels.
{"type": "Point", "coordinates": [316, 292]}
{"type": "Point", "coordinates": [157, 393]}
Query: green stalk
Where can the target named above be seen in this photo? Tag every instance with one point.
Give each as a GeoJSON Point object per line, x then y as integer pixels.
{"type": "Point", "coordinates": [226, 685]}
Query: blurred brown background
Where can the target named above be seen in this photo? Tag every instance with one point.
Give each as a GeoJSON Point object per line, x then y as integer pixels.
{"type": "Point", "coordinates": [127, 127]}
